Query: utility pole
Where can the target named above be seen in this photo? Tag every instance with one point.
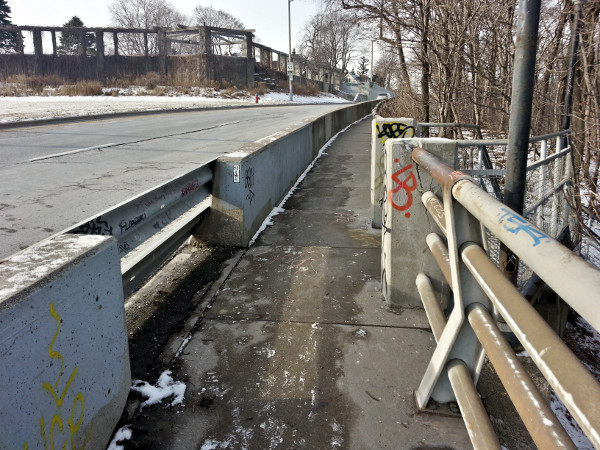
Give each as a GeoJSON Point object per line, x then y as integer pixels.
{"type": "Point", "coordinates": [520, 119]}
{"type": "Point", "coordinates": [290, 67]}
{"type": "Point", "coordinates": [566, 118]}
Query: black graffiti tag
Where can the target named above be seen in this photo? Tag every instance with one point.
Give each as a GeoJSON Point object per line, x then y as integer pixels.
{"type": "Point", "coordinates": [95, 226]}
{"type": "Point", "coordinates": [126, 225]}
{"type": "Point", "coordinates": [394, 130]}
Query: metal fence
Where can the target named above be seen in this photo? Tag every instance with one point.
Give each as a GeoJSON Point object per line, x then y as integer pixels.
{"type": "Point", "coordinates": [481, 291]}
{"type": "Point", "coordinates": [549, 196]}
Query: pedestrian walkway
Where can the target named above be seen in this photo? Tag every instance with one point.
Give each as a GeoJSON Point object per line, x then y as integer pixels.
{"type": "Point", "coordinates": [298, 348]}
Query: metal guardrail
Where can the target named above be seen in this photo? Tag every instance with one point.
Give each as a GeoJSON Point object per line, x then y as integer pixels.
{"type": "Point", "coordinates": [481, 292]}
{"type": "Point", "coordinates": [150, 226]}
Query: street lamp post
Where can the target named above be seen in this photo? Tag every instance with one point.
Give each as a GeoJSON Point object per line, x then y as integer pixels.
{"type": "Point", "coordinates": [290, 62]}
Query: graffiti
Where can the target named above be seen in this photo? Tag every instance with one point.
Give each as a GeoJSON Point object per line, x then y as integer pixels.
{"type": "Point", "coordinates": [163, 221]}
{"type": "Point", "coordinates": [190, 187]}
{"type": "Point", "coordinates": [124, 248]}
{"type": "Point", "coordinates": [521, 224]}
{"type": "Point", "coordinates": [56, 426]}
{"type": "Point", "coordinates": [249, 178]}
{"type": "Point", "coordinates": [250, 196]}
{"type": "Point", "coordinates": [394, 130]}
{"type": "Point", "coordinates": [95, 226]}
{"type": "Point", "coordinates": [408, 185]}
{"type": "Point", "coordinates": [127, 225]}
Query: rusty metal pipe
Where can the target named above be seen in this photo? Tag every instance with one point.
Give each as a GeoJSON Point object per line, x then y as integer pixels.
{"type": "Point", "coordinates": [477, 421]}
{"type": "Point", "coordinates": [442, 173]}
{"type": "Point", "coordinates": [574, 385]}
{"type": "Point", "coordinates": [543, 425]}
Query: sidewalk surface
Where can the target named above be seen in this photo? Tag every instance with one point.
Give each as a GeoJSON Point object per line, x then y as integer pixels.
{"type": "Point", "coordinates": [299, 349]}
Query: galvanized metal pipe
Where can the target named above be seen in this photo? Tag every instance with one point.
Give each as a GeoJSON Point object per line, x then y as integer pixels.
{"type": "Point", "coordinates": [554, 263]}
{"type": "Point", "coordinates": [544, 427]}
{"type": "Point", "coordinates": [574, 385]}
{"type": "Point", "coordinates": [440, 253]}
{"type": "Point", "coordinates": [476, 419]}
{"type": "Point", "coordinates": [435, 208]}
{"type": "Point", "coordinates": [436, 318]}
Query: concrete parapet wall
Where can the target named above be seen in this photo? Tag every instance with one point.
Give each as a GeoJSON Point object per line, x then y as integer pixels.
{"type": "Point", "coordinates": [382, 130]}
{"type": "Point", "coordinates": [64, 359]}
{"type": "Point", "coordinates": [406, 223]}
{"type": "Point", "coordinates": [250, 182]}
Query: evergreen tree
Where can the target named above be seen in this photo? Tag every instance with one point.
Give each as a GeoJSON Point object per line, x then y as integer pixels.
{"type": "Point", "coordinates": [8, 39]}
{"type": "Point", "coordinates": [69, 42]}
{"type": "Point", "coordinates": [363, 66]}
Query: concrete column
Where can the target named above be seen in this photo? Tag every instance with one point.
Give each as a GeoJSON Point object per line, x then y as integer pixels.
{"type": "Point", "coordinates": [100, 73]}
{"type": "Point", "coordinates": [64, 354]}
{"type": "Point", "coordinates": [404, 252]}
{"type": "Point", "coordinates": [382, 130]}
{"type": "Point", "coordinates": [265, 57]}
{"type": "Point", "coordinates": [54, 46]}
{"type": "Point", "coordinates": [82, 51]}
{"type": "Point", "coordinates": [38, 51]}
{"type": "Point", "coordinates": [116, 42]}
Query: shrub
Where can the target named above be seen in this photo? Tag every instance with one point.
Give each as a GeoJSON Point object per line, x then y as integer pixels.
{"type": "Point", "coordinates": [84, 88]}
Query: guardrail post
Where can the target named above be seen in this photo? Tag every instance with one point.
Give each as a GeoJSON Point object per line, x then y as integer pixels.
{"type": "Point", "coordinates": [382, 130]}
{"type": "Point", "coordinates": [405, 221]}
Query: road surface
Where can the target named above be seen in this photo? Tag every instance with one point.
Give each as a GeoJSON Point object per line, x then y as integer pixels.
{"type": "Point", "coordinates": [54, 176]}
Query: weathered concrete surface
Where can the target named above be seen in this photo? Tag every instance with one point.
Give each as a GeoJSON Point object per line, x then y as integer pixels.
{"type": "Point", "coordinates": [382, 130]}
{"type": "Point", "coordinates": [406, 222]}
{"type": "Point", "coordinates": [64, 362]}
{"type": "Point", "coordinates": [297, 347]}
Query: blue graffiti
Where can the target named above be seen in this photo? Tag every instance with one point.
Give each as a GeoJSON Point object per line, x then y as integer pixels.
{"type": "Point", "coordinates": [520, 224]}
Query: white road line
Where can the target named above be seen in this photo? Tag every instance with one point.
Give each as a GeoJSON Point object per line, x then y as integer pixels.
{"type": "Point", "coordinates": [79, 150]}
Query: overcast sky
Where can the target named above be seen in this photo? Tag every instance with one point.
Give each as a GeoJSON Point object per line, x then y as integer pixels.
{"type": "Point", "coordinates": [268, 17]}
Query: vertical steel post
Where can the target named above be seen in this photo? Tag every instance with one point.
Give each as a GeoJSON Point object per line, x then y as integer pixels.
{"type": "Point", "coordinates": [566, 118]}
{"type": "Point", "coordinates": [520, 118]}
{"type": "Point", "coordinates": [291, 61]}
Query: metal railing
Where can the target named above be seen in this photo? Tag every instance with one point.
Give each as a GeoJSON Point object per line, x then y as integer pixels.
{"type": "Point", "coordinates": [481, 292]}
{"type": "Point", "coordinates": [150, 226]}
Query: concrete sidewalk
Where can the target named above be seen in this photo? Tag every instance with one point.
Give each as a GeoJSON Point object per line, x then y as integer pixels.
{"type": "Point", "coordinates": [298, 348]}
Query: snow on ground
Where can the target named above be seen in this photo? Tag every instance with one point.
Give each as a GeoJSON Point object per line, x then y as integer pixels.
{"type": "Point", "coordinates": [17, 109]}
{"type": "Point", "coordinates": [165, 387]}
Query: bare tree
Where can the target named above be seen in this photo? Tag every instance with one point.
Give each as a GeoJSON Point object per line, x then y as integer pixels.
{"type": "Point", "coordinates": [146, 14]}
{"type": "Point", "coordinates": [332, 38]}
{"type": "Point", "coordinates": [210, 17]}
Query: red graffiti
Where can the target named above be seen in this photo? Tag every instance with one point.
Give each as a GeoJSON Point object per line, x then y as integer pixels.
{"type": "Point", "coordinates": [408, 185]}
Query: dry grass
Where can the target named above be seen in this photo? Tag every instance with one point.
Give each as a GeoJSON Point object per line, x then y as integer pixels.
{"type": "Point", "coordinates": [83, 88]}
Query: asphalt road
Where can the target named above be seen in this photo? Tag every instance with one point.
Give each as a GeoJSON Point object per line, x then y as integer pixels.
{"type": "Point", "coordinates": [54, 176]}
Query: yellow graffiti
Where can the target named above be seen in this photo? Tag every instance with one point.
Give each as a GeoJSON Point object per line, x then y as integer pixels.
{"type": "Point", "coordinates": [52, 390]}
{"type": "Point", "coordinates": [391, 130]}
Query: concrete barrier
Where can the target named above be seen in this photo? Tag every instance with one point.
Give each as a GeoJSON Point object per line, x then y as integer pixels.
{"type": "Point", "coordinates": [64, 360]}
{"type": "Point", "coordinates": [250, 182]}
{"type": "Point", "coordinates": [382, 130]}
{"type": "Point", "coordinates": [404, 251]}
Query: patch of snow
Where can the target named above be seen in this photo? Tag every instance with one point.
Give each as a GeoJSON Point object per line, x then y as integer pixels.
{"type": "Point", "coordinates": [17, 109]}
{"type": "Point", "coordinates": [165, 387]}
{"type": "Point", "coordinates": [123, 434]}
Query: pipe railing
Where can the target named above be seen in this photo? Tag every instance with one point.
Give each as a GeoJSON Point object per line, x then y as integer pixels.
{"type": "Point", "coordinates": [470, 273]}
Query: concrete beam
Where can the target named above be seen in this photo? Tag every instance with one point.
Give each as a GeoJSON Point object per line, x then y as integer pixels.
{"type": "Point", "coordinates": [64, 359]}
{"type": "Point", "coordinates": [406, 223]}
